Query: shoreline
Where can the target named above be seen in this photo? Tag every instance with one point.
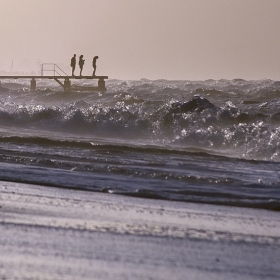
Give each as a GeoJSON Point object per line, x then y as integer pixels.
{"type": "Point", "coordinates": [206, 241]}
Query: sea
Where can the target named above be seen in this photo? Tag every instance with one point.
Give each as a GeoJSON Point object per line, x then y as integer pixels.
{"type": "Point", "coordinates": [208, 142]}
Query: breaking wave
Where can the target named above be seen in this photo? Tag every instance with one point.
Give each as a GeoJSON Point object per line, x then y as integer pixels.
{"type": "Point", "coordinates": [235, 118]}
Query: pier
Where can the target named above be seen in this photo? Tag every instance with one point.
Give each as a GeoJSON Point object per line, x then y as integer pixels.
{"type": "Point", "coordinates": [61, 78]}
{"type": "Point", "coordinates": [64, 81]}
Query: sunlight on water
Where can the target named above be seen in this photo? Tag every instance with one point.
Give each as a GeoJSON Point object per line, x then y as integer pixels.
{"type": "Point", "coordinates": [204, 141]}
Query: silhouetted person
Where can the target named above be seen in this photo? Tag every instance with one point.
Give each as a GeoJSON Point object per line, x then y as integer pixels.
{"type": "Point", "coordinates": [73, 64]}
{"type": "Point", "coordinates": [81, 63]}
{"type": "Point", "coordinates": [94, 65]}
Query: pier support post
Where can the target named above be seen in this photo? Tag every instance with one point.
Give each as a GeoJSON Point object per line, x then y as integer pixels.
{"type": "Point", "coordinates": [33, 84]}
{"type": "Point", "coordinates": [101, 85]}
{"type": "Point", "coordinates": [67, 85]}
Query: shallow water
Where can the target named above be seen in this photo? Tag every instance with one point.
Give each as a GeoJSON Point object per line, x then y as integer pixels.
{"type": "Point", "coordinates": [211, 141]}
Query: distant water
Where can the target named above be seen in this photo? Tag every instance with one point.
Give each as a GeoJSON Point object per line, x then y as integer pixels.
{"type": "Point", "coordinates": [214, 141]}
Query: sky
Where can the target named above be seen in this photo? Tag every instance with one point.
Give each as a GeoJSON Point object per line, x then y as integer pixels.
{"type": "Point", "coordinates": [153, 39]}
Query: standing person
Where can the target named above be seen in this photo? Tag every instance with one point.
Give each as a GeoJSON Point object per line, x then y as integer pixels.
{"type": "Point", "coordinates": [81, 63]}
{"type": "Point", "coordinates": [94, 65]}
{"type": "Point", "coordinates": [73, 64]}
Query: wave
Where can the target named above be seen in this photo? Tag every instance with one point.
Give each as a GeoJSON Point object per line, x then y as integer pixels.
{"type": "Point", "coordinates": [214, 141]}
{"type": "Point", "coordinates": [102, 145]}
{"type": "Point", "coordinates": [139, 171]}
{"type": "Point", "coordinates": [142, 182]}
{"type": "Point", "coordinates": [231, 117]}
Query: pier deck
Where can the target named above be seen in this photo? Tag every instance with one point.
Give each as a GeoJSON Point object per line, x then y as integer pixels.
{"type": "Point", "coordinates": [66, 84]}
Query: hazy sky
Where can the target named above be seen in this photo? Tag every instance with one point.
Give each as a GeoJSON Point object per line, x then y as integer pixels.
{"type": "Point", "coordinates": [154, 39]}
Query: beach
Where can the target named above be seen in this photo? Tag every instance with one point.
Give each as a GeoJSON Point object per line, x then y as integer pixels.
{"type": "Point", "coordinates": [53, 233]}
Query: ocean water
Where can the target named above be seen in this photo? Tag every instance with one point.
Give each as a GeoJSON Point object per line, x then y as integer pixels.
{"type": "Point", "coordinates": [213, 141]}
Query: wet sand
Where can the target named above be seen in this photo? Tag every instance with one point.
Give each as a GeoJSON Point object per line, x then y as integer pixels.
{"type": "Point", "coordinates": [51, 233]}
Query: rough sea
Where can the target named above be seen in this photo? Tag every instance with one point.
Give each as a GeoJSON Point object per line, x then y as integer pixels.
{"type": "Point", "coordinates": [213, 141]}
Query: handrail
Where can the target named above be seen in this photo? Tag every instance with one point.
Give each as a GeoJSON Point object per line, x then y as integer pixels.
{"type": "Point", "coordinates": [52, 70]}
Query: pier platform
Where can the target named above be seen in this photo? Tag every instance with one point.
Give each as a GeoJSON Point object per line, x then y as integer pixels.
{"type": "Point", "coordinates": [64, 81]}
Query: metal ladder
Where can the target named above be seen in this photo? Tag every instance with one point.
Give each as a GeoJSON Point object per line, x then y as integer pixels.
{"type": "Point", "coordinates": [52, 67]}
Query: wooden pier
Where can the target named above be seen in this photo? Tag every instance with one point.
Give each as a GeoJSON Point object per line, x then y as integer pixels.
{"type": "Point", "coordinates": [64, 81]}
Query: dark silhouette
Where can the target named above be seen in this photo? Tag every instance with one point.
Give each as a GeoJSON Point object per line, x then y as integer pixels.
{"type": "Point", "coordinates": [81, 63]}
{"type": "Point", "coordinates": [73, 64]}
{"type": "Point", "coordinates": [94, 65]}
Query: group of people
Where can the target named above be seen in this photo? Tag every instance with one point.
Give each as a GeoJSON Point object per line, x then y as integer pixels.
{"type": "Point", "coordinates": [81, 64]}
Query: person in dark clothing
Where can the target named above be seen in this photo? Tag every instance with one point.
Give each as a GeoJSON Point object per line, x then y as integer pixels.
{"type": "Point", "coordinates": [94, 65]}
{"type": "Point", "coordinates": [81, 64]}
{"type": "Point", "coordinates": [73, 64]}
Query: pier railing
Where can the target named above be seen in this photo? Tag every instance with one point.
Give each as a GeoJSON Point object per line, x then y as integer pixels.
{"type": "Point", "coordinates": [52, 67]}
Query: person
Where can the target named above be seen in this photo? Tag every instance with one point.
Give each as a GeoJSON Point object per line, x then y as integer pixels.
{"type": "Point", "coordinates": [94, 65]}
{"type": "Point", "coordinates": [73, 64]}
{"type": "Point", "coordinates": [81, 63]}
